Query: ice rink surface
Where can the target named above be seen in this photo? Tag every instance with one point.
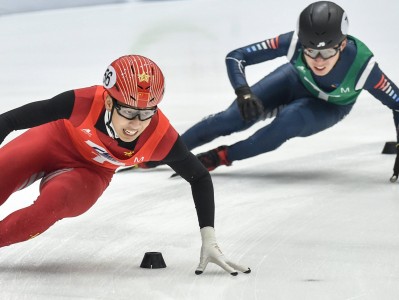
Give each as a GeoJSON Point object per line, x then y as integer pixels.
{"type": "Point", "coordinates": [315, 219]}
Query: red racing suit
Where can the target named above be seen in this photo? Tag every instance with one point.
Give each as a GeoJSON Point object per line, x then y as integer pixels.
{"type": "Point", "coordinates": [75, 161]}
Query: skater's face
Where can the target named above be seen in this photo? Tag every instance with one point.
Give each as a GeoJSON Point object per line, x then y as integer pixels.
{"type": "Point", "coordinates": [128, 122]}
{"type": "Point", "coordinates": [319, 65]}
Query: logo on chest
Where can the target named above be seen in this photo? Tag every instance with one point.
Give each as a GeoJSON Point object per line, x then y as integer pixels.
{"type": "Point", "coordinates": [102, 155]}
{"type": "Point", "coordinates": [128, 153]}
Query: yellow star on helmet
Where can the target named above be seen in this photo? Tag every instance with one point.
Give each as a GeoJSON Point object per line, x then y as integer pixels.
{"type": "Point", "coordinates": [144, 77]}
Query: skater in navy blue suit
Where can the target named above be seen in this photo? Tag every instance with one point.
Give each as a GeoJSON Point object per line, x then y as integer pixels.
{"type": "Point", "coordinates": [326, 72]}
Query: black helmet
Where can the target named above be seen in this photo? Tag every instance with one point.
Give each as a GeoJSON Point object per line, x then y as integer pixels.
{"type": "Point", "coordinates": [322, 25]}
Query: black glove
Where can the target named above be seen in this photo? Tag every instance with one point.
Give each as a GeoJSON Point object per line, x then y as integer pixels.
{"type": "Point", "coordinates": [395, 175]}
{"type": "Point", "coordinates": [250, 106]}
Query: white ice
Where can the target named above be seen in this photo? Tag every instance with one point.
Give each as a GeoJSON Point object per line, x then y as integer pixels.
{"type": "Point", "coordinates": [315, 219]}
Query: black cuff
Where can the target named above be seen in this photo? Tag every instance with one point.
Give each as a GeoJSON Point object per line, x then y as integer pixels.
{"type": "Point", "coordinates": [243, 90]}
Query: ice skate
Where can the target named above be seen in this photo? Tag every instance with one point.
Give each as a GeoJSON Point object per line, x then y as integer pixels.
{"type": "Point", "coordinates": [214, 158]}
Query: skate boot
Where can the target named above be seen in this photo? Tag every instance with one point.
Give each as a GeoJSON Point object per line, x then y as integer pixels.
{"type": "Point", "coordinates": [214, 158]}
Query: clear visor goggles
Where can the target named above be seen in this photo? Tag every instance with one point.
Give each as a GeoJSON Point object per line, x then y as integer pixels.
{"type": "Point", "coordinates": [324, 53]}
{"type": "Point", "coordinates": [130, 113]}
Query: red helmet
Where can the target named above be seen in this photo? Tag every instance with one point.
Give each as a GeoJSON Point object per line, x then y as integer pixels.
{"type": "Point", "coordinates": [135, 81]}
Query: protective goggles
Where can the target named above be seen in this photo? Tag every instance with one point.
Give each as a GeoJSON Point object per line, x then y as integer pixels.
{"type": "Point", "coordinates": [324, 53]}
{"type": "Point", "coordinates": [131, 113]}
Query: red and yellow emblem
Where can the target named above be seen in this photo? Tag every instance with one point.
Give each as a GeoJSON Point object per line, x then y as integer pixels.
{"type": "Point", "coordinates": [143, 77]}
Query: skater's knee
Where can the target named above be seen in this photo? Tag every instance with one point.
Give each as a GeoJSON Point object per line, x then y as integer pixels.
{"type": "Point", "coordinates": [288, 125]}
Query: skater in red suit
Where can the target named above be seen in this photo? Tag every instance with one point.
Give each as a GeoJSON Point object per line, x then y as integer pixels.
{"type": "Point", "coordinates": [78, 139]}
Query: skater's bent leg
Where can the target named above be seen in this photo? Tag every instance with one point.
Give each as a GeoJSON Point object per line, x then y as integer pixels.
{"type": "Point", "coordinates": [214, 126]}
{"type": "Point", "coordinates": [275, 91]}
{"type": "Point", "coordinates": [68, 194]}
{"type": "Point", "coordinates": [287, 125]}
{"type": "Point", "coordinates": [21, 164]}
{"type": "Point", "coordinates": [303, 117]}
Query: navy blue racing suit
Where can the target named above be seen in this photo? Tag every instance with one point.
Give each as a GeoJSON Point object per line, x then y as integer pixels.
{"type": "Point", "coordinates": [298, 111]}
